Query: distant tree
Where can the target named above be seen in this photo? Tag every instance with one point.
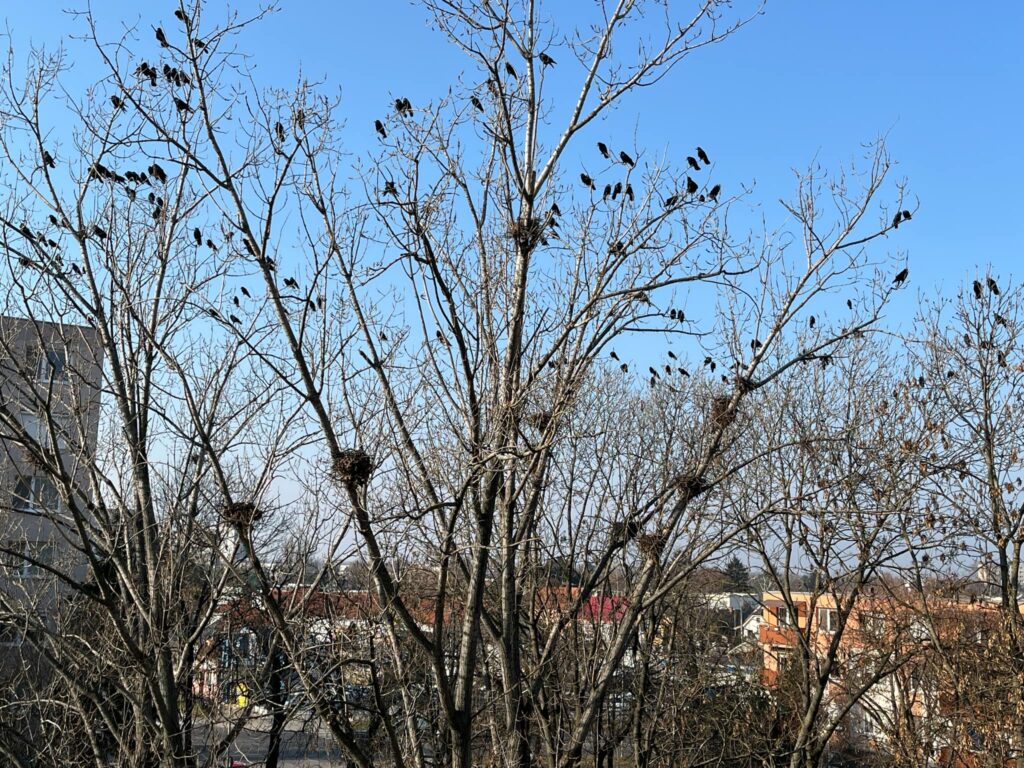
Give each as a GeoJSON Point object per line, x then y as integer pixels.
{"type": "Point", "coordinates": [737, 575]}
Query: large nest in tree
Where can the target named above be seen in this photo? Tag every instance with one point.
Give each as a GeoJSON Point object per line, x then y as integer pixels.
{"type": "Point", "coordinates": [689, 486]}
{"type": "Point", "coordinates": [651, 544]}
{"type": "Point", "coordinates": [242, 513]}
{"type": "Point", "coordinates": [723, 413]}
{"type": "Point", "coordinates": [539, 420]}
{"type": "Point", "coordinates": [624, 531]}
{"type": "Point", "coordinates": [528, 233]}
{"type": "Point", "coordinates": [352, 467]}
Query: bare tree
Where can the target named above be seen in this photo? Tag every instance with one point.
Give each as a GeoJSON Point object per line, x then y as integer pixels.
{"type": "Point", "coordinates": [485, 443]}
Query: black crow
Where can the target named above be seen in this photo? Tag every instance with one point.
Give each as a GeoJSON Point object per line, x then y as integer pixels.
{"type": "Point", "coordinates": [160, 38]}
{"type": "Point", "coordinates": [279, 130]}
{"type": "Point", "coordinates": [691, 186]}
{"type": "Point", "coordinates": [99, 232]}
{"type": "Point", "coordinates": [546, 60]}
{"type": "Point", "coordinates": [692, 162]}
{"type": "Point", "coordinates": [992, 286]}
{"type": "Point", "coordinates": [389, 188]}
{"type": "Point", "coordinates": [197, 235]}
{"type": "Point", "coordinates": [715, 190]}
{"type": "Point", "coordinates": [245, 292]}
{"type": "Point", "coordinates": [629, 192]}
{"type": "Point", "coordinates": [291, 282]}
{"type": "Point", "coordinates": [617, 190]}
{"type": "Point", "coordinates": [234, 319]}
{"type": "Point", "coordinates": [607, 191]}
{"type": "Point", "coordinates": [380, 128]}
{"type": "Point", "coordinates": [896, 219]}
{"type": "Point", "coordinates": [476, 103]}
{"type": "Point", "coordinates": [626, 159]}
{"type": "Point", "coordinates": [977, 289]}
{"type": "Point", "coordinates": [900, 276]}
{"type": "Point", "coordinates": [603, 149]}
{"type": "Point", "coordinates": [613, 356]}
{"type": "Point", "coordinates": [511, 71]}
{"type": "Point", "coordinates": [670, 202]}
{"type": "Point", "coordinates": [587, 181]}
{"type": "Point", "coordinates": [555, 211]}
{"type": "Point", "coordinates": [116, 101]}
{"type": "Point", "coordinates": [48, 160]}
{"type": "Point", "coordinates": [703, 156]}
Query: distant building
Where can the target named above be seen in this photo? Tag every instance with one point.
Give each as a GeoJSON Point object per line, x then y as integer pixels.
{"type": "Point", "coordinates": [50, 379]}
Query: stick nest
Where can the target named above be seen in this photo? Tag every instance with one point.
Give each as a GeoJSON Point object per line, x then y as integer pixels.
{"type": "Point", "coordinates": [651, 544]}
{"type": "Point", "coordinates": [352, 467]}
{"type": "Point", "coordinates": [241, 513]}
{"type": "Point", "coordinates": [723, 413]}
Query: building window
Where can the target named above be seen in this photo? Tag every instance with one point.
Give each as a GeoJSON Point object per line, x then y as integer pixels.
{"type": "Point", "coordinates": [785, 616]}
{"type": "Point", "coordinates": [52, 364]}
{"type": "Point", "coordinates": [828, 620]}
{"type": "Point", "coordinates": [35, 425]}
{"type": "Point", "coordinates": [872, 623]}
{"type": "Point", "coordinates": [24, 559]}
{"type": "Point", "coordinates": [34, 496]}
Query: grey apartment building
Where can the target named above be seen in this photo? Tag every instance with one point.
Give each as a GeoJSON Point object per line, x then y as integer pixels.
{"type": "Point", "coordinates": [50, 379]}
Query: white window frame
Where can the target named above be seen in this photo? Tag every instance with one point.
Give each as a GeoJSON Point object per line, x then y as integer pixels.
{"type": "Point", "coordinates": [35, 502]}
{"type": "Point", "coordinates": [828, 620]}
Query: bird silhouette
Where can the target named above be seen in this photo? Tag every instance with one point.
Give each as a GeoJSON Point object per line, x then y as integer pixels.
{"type": "Point", "coordinates": [901, 276]}
{"type": "Point", "coordinates": [379, 126]}
{"type": "Point", "coordinates": [300, 119]}
{"type": "Point", "coordinates": [197, 235]}
{"type": "Point", "coordinates": [213, 313]}
{"type": "Point", "coordinates": [812, 321]}
{"type": "Point", "coordinates": [279, 130]}
{"type": "Point", "coordinates": [624, 368]}
{"type": "Point", "coordinates": [896, 219]}
{"type": "Point", "coordinates": [653, 372]}
{"type": "Point", "coordinates": [715, 190]}
{"type": "Point", "coordinates": [389, 188]}
{"type": "Point", "coordinates": [703, 156]}
{"type": "Point", "coordinates": [977, 289]}
{"type": "Point", "coordinates": [48, 160]}
{"type": "Point", "coordinates": [476, 103]}
{"type": "Point", "coordinates": [99, 232]}
{"type": "Point", "coordinates": [683, 372]}
{"type": "Point", "coordinates": [291, 282]}
{"type": "Point", "coordinates": [613, 356]}
{"type": "Point", "coordinates": [235, 301]}
{"type": "Point", "coordinates": [692, 162]}
{"type": "Point", "coordinates": [618, 190]}
{"type": "Point", "coordinates": [603, 149]}
{"type": "Point", "coordinates": [607, 191]}
{"type": "Point", "coordinates": [849, 303]}
{"type": "Point", "coordinates": [178, 14]}
{"type": "Point", "coordinates": [629, 192]}
{"type": "Point", "coordinates": [441, 338]}
{"type": "Point", "coordinates": [158, 173]}
{"type": "Point", "coordinates": [670, 201]}
{"type": "Point", "coordinates": [160, 38]}
{"type": "Point", "coordinates": [116, 101]}
{"type": "Point", "coordinates": [587, 181]}
{"type": "Point", "coordinates": [211, 245]}
{"type": "Point", "coordinates": [992, 286]}
{"type": "Point", "coordinates": [906, 215]}
{"type": "Point", "coordinates": [672, 355]}
{"type": "Point", "coordinates": [626, 159]}
{"type": "Point", "coordinates": [245, 292]}
{"type": "Point", "coordinates": [546, 60]}
{"type": "Point", "coordinates": [511, 71]}
{"type": "Point", "coordinates": [234, 319]}
{"type": "Point", "coordinates": [691, 186]}
{"type": "Point", "coordinates": [555, 211]}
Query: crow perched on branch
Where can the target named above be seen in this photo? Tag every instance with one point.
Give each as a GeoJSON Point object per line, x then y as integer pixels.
{"type": "Point", "coordinates": [692, 162]}
{"type": "Point", "coordinates": [511, 71]}
{"type": "Point", "coordinates": [379, 126]}
{"type": "Point", "coordinates": [901, 276]}
{"type": "Point", "coordinates": [703, 156]}
{"type": "Point", "coordinates": [603, 149]}
{"type": "Point", "coordinates": [161, 38]}
{"type": "Point", "coordinates": [626, 159]}
{"type": "Point", "coordinates": [587, 181]}
{"type": "Point", "coordinates": [546, 60]}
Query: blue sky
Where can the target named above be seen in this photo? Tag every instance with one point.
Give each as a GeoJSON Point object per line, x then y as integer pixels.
{"type": "Point", "coordinates": [808, 79]}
